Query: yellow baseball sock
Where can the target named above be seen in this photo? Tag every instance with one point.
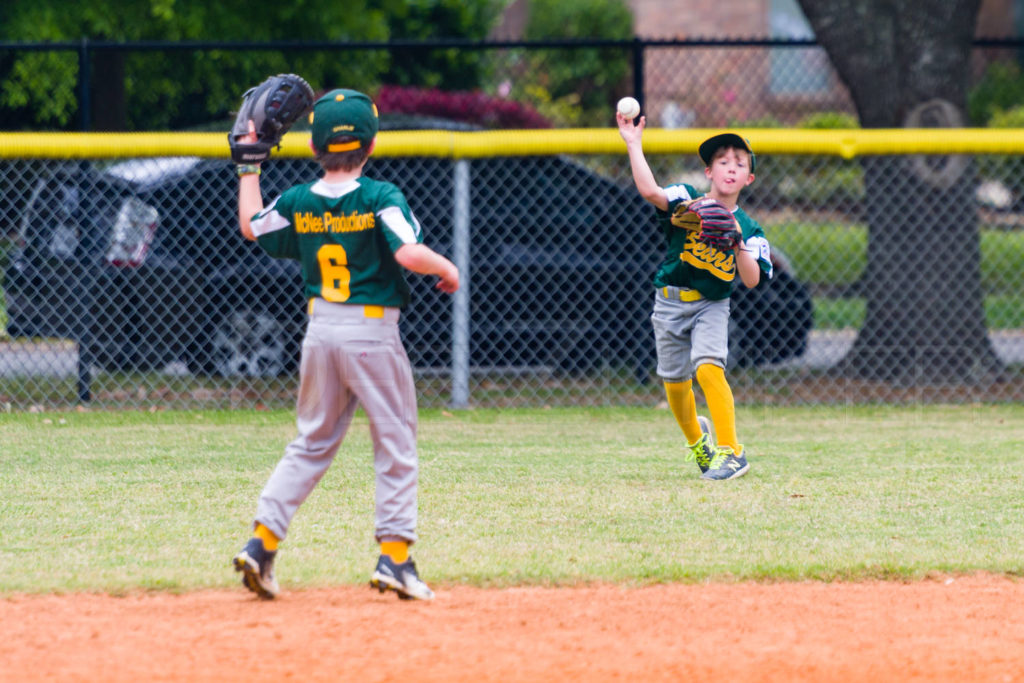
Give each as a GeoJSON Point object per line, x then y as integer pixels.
{"type": "Point", "coordinates": [396, 550]}
{"type": "Point", "coordinates": [267, 536]}
{"type": "Point", "coordinates": [684, 408]}
{"type": "Point", "coordinates": [720, 404]}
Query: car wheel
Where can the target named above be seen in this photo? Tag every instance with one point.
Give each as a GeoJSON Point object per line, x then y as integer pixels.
{"type": "Point", "coordinates": [250, 344]}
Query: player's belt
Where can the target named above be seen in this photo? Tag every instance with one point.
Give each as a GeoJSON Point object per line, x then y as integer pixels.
{"type": "Point", "coordinates": [680, 294]}
{"type": "Point", "coordinates": [319, 305]}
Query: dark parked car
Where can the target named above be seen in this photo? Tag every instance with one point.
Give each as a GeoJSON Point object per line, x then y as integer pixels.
{"type": "Point", "coordinates": [142, 263]}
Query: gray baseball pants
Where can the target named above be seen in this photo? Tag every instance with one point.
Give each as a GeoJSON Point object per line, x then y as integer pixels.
{"type": "Point", "coordinates": [688, 334]}
{"type": "Point", "coordinates": [350, 357]}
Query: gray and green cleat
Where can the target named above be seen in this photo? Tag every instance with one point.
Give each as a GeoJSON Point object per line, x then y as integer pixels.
{"type": "Point", "coordinates": [703, 450]}
{"type": "Point", "coordinates": [726, 465]}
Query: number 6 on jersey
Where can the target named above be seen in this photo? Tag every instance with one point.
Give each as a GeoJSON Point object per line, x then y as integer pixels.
{"type": "Point", "coordinates": [334, 274]}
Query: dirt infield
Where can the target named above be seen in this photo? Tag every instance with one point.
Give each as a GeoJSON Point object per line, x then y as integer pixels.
{"type": "Point", "coordinates": [943, 629]}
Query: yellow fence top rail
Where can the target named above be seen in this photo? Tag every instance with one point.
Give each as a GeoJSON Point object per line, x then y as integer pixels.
{"type": "Point", "coordinates": [846, 143]}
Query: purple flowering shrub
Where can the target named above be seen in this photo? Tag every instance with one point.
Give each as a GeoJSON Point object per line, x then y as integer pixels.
{"type": "Point", "coordinates": [467, 106]}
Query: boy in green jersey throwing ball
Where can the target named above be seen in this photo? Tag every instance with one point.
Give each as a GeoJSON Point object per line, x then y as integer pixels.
{"type": "Point", "coordinates": [353, 236]}
{"type": "Point", "coordinates": [692, 288]}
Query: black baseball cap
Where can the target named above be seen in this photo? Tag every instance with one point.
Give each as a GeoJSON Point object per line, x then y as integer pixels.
{"type": "Point", "coordinates": [711, 145]}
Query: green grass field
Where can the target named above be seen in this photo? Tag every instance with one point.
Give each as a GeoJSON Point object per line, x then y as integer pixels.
{"type": "Point", "coordinates": [1002, 312]}
{"type": "Point", "coordinates": [846, 245]}
{"type": "Point", "coordinates": [122, 501]}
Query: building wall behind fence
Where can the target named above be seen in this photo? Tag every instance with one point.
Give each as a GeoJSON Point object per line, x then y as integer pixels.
{"type": "Point", "coordinates": [127, 285]}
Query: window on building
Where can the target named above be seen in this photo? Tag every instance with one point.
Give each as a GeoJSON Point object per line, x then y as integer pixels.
{"type": "Point", "coordinates": [795, 70]}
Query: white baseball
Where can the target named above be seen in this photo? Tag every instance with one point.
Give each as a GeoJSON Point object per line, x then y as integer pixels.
{"type": "Point", "coordinates": [629, 107]}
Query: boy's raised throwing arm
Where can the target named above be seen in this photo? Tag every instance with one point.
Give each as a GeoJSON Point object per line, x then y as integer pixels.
{"type": "Point", "coordinates": [643, 177]}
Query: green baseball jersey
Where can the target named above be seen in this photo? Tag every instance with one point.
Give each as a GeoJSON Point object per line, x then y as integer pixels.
{"type": "Point", "coordinates": [345, 235]}
{"type": "Point", "coordinates": [691, 263]}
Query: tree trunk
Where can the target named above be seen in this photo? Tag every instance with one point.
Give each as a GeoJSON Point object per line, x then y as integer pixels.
{"type": "Point", "coordinates": [906, 64]}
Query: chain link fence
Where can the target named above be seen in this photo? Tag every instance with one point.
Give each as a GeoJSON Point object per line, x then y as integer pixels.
{"type": "Point", "coordinates": [126, 285]}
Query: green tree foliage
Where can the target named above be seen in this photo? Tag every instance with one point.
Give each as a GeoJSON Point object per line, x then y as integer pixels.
{"type": "Point", "coordinates": [828, 120]}
{"type": "Point", "coordinates": [180, 88]}
{"type": "Point", "coordinates": [446, 69]}
{"type": "Point", "coordinates": [592, 78]}
{"type": "Point", "coordinates": [1001, 88]}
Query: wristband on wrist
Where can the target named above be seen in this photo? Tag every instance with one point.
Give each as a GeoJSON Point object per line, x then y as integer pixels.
{"type": "Point", "coordinates": [247, 169]}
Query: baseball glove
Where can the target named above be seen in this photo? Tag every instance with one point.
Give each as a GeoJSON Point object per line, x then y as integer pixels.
{"type": "Point", "coordinates": [718, 227]}
{"type": "Point", "coordinates": [273, 106]}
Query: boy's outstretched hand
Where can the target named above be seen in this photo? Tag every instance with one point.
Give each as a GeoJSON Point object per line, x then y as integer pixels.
{"type": "Point", "coordinates": [449, 280]}
{"type": "Point", "coordinates": [630, 132]}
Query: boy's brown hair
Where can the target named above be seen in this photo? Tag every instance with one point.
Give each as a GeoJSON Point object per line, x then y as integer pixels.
{"type": "Point", "coordinates": [342, 161]}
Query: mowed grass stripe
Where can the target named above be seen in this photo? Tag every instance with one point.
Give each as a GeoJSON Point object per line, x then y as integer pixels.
{"type": "Point", "coordinates": [121, 501]}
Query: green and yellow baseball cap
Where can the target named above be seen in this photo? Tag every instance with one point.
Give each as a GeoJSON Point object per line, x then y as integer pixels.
{"type": "Point", "coordinates": [342, 113]}
{"type": "Point", "coordinates": [708, 147]}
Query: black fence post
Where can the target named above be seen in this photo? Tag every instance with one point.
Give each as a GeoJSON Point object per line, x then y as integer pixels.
{"type": "Point", "coordinates": [84, 86]}
{"type": "Point", "coordinates": [638, 71]}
